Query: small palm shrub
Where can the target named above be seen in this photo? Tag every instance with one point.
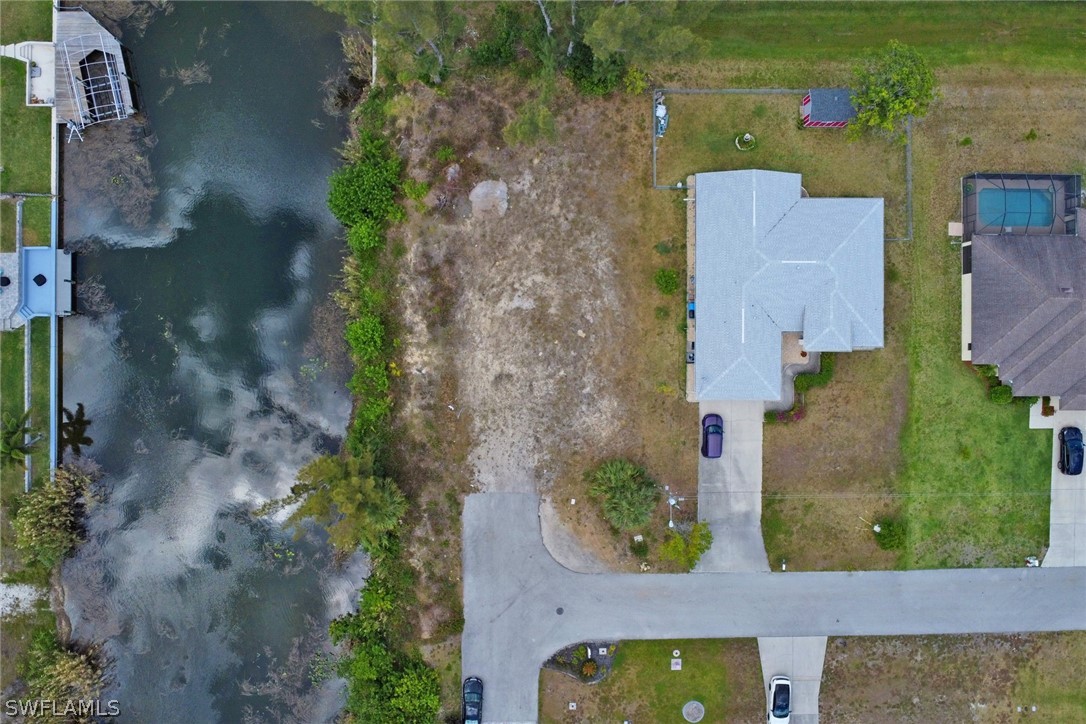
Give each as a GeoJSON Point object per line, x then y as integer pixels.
{"type": "Point", "coordinates": [627, 492]}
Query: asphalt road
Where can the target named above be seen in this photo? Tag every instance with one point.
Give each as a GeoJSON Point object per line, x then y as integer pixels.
{"type": "Point", "coordinates": [520, 606]}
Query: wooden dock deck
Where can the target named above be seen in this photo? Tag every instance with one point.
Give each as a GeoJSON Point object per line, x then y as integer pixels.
{"type": "Point", "coordinates": [91, 79]}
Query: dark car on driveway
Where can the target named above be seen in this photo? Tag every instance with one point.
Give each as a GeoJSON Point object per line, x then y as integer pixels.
{"type": "Point", "coordinates": [473, 700]}
{"type": "Point", "coordinates": [712, 436]}
{"type": "Point", "coordinates": [1070, 451]}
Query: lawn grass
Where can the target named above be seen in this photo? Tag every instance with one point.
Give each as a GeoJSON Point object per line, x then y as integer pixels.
{"type": "Point", "coordinates": [1055, 682]}
{"type": "Point", "coordinates": [7, 226]}
{"type": "Point", "coordinates": [26, 133]}
{"type": "Point", "coordinates": [36, 222]}
{"type": "Point", "coordinates": [39, 390]}
{"type": "Point", "coordinates": [702, 132]}
{"type": "Point", "coordinates": [17, 632]}
{"type": "Point", "coordinates": [26, 20]}
{"type": "Point", "coordinates": [1019, 35]}
{"type": "Point", "coordinates": [724, 675]}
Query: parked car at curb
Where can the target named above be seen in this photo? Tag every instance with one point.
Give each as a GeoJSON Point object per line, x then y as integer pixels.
{"type": "Point", "coordinates": [780, 700]}
{"type": "Point", "coordinates": [712, 436]}
{"type": "Point", "coordinates": [1070, 462]}
{"type": "Point", "coordinates": [473, 700]}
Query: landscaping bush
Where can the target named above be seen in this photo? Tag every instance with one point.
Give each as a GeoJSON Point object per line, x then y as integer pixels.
{"type": "Point", "coordinates": [501, 39]}
{"type": "Point", "coordinates": [366, 189]}
{"type": "Point", "coordinates": [686, 550]}
{"type": "Point", "coordinates": [589, 669]}
{"type": "Point", "coordinates": [49, 521]}
{"type": "Point", "coordinates": [810, 380]}
{"type": "Point", "coordinates": [640, 548]}
{"type": "Point", "coordinates": [666, 280]}
{"type": "Point", "coordinates": [54, 673]}
{"type": "Point", "coordinates": [1000, 394]}
{"type": "Point", "coordinates": [635, 82]}
{"type": "Point", "coordinates": [628, 493]}
{"type": "Point", "coordinates": [592, 75]}
{"type": "Point", "coordinates": [892, 533]}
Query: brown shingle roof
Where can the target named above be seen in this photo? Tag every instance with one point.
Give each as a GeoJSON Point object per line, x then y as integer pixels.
{"type": "Point", "coordinates": [1029, 313]}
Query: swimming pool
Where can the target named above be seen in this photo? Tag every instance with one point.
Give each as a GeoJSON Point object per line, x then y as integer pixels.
{"type": "Point", "coordinates": [1010, 208]}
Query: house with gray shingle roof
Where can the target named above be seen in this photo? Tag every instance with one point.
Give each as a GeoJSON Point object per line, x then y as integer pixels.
{"type": "Point", "coordinates": [1028, 311]}
{"type": "Point", "coordinates": [768, 260]}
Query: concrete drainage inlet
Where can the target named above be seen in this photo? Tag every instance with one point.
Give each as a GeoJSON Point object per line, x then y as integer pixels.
{"type": "Point", "coordinates": [693, 711]}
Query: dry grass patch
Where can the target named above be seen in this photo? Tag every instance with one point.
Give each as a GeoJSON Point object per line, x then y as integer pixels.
{"type": "Point", "coordinates": [937, 679]}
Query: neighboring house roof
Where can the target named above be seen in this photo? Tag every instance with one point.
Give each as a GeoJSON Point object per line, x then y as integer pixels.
{"type": "Point", "coordinates": [827, 108]}
{"type": "Point", "coordinates": [768, 261]}
{"type": "Point", "coordinates": [1029, 313]}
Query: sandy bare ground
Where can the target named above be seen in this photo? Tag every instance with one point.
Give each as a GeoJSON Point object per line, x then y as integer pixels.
{"type": "Point", "coordinates": [517, 299]}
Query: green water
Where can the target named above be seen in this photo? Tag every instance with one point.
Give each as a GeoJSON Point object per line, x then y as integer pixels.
{"type": "Point", "coordinates": [196, 382]}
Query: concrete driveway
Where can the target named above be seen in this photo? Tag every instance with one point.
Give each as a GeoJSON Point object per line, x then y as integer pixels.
{"type": "Point", "coordinates": [730, 490]}
{"type": "Point", "coordinates": [520, 606]}
{"type": "Point", "coordinates": [1067, 511]}
{"type": "Point", "coordinates": [800, 659]}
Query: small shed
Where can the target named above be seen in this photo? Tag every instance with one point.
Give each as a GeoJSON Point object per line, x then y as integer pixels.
{"type": "Point", "coordinates": [827, 108]}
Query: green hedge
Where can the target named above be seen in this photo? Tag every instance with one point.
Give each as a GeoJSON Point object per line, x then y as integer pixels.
{"type": "Point", "coordinates": [810, 380]}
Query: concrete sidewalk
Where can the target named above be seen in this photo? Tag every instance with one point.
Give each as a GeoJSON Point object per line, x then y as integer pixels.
{"type": "Point", "coordinates": [730, 490]}
{"type": "Point", "coordinates": [520, 606]}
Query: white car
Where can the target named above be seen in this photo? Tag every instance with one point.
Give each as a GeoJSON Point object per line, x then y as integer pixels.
{"type": "Point", "coordinates": [780, 700]}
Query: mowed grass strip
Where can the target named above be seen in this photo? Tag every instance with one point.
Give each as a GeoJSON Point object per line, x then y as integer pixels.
{"type": "Point", "coordinates": [36, 222]}
{"type": "Point", "coordinates": [723, 674]}
{"type": "Point", "coordinates": [1014, 34]}
{"type": "Point", "coordinates": [26, 133]}
{"type": "Point", "coordinates": [26, 20]}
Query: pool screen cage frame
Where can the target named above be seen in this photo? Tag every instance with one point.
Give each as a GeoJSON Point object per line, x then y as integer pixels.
{"type": "Point", "coordinates": [99, 96]}
{"type": "Point", "coordinates": [1066, 190]}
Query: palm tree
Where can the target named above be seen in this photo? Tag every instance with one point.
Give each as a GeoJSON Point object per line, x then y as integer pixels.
{"type": "Point", "coordinates": [73, 430]}
{"type": "Point", "coordinates": [14, 447]}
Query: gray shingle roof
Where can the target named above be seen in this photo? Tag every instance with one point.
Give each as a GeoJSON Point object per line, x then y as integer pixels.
{"type": "Point", "coordinates": [831, 104]}
{"type": "Point", "coordinates": [1029, 313]}
{"type": "Point", "coordinates": [768, 262]}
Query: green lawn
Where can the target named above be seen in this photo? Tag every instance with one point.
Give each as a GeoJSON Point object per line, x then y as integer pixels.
{"type": "Point", "coordinates": [25, 20]}
{"type": "Point", "coordinates": [1046, 35]}
{"type": "Point", "coordinates": [36, 222]}
{"type": "Point", "coordinates": [977, 478]}
{"type": "Point", "coordinates": [723, 675]}
{"type": "Point", "coordinates": [701, 137]}
{"type": "Point", "coordinates": [11, 387]}
{"type": "Point", "coordinates": [1056, 680]}
{"type": "Point", "coordinates": [26, 133]}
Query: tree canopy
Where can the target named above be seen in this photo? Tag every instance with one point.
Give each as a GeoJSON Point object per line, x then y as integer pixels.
{"type": "Point", "coordinates": [353, 504]}
{"type": "Point", "coordinates": [646, 32]}
{"type": "Point", "coordinates": [889, 87]}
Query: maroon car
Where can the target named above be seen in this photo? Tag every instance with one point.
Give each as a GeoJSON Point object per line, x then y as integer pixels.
{"type": "Point", "coordinates": [712, 436]}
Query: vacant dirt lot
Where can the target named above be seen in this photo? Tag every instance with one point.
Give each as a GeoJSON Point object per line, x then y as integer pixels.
{"type": "Point", "coordinates": [947, 679]}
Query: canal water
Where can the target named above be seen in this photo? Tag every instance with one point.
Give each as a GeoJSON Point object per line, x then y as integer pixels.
{"type": "Point", "coordinates": [204, 384]}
